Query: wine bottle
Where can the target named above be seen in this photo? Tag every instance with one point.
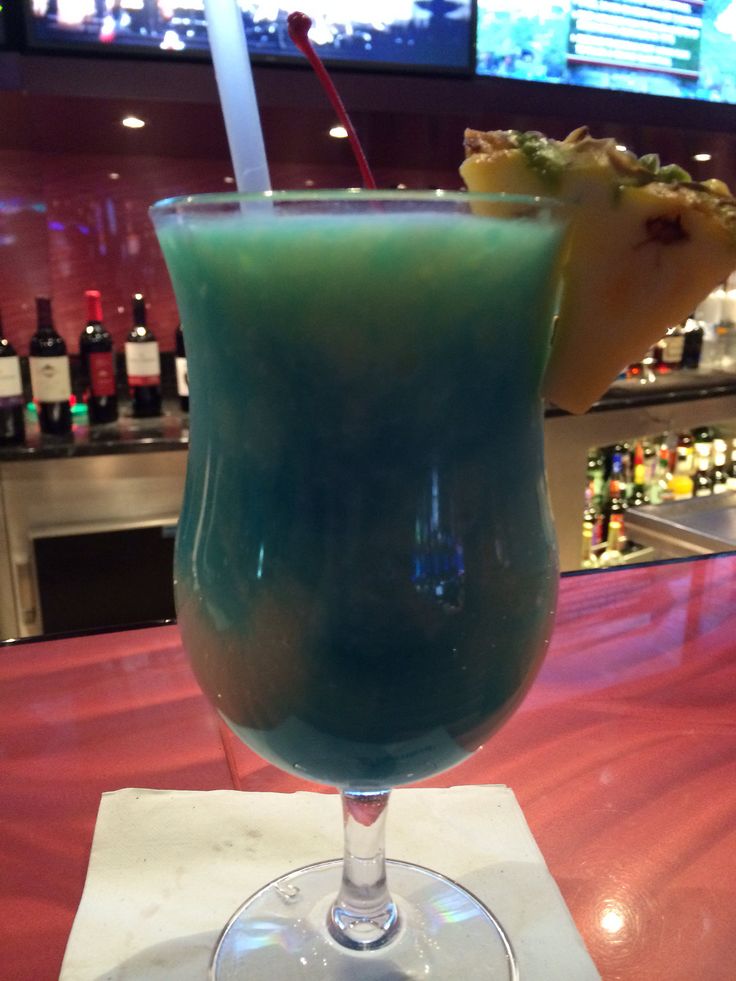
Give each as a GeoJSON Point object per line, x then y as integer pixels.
{"type": "Point", "coordinates": [182, 378]}
{"type": "Point", "coordinates": [50, 376]}
{"type": "Point", "coordinates": [12, 424]}
{"type": "Point", "coordinates": [98, 365]}
{"type": "Point", "coordinates": [143, 363]}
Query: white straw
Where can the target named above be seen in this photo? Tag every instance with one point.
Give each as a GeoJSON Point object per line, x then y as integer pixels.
{"type": "Point", "coordinates": [229, 50]}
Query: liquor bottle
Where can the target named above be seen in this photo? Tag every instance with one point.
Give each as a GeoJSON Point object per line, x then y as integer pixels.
{"type": "Point", "coordinates": [731, 471]}
{"type": "Point", "coordinates": [719, 471]}
{"type": "Point", "coordinates": [693, 344]}
{"type": "Point", "coordinates": [708, 315]}
{"type": "Point", "coordinates": [659, 490]}
{"type": "Point", "coordinates": [725, 329]}
{"type": "Point", "coordinates": [12, 424]}
{"type": "Point", "coordinates": [50, 376]}
{"type": "Point", "coordinates": [592, 516]}
{"type": "Point", "coordinates": [596, 479]}
{"type": "Point", "coordinates": [639, 493]}
{"type": "Point", "coordinates": [670, 349]}
{"type": "Point", "coordinates": [143, 364]}
{"type": "Point", "coordinates": [702, 481]}
{"type": "Point", "coordinates": [650, 461]}
{"type": "Point", "coordinates": [98, 365]}
{"type": "Point", "coordinates": [703, 438]}
{"type": "Point", "coordinates": [182, 378]}
{"type": "Point", "coordinates": [615, 505]}
{"type": "Point", "coordinates": [684, 455]}
{"type": "Point", "coordinates": [588, 558]}
{"type": "Point", "coordinates": [612, 555]}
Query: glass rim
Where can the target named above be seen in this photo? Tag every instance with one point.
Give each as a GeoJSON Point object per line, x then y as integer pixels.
{"type": "Point", "coordinates": [350, 194]}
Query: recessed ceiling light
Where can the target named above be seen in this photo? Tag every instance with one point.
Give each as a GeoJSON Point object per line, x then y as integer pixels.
{"type": "Point", "coordinates": [133, 122]}
{"type": "Point", "coordinates": [113, 176]}
{"type": "Point", "coordinates": [229, 180]}
{"type": "Point", "coordinates": [701, 157]}
{"type": "Point", "coordinates": [620, 146]}
{"type": "Point", "coordinates": [339, 133]}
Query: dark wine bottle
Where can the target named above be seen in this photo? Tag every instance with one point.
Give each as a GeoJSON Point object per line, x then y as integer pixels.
{"type": "Point", "coordinates": [143, 363]}
{"type": "Point", "coordinates": [693, 344]}
{"type": "Point", "coordinates": [182, 378]}
{"type": "Point", "coordinates": [12, 424]}
{"type": "Point", "coordinates": [98, 364]}
{"type": "Point", "coordinates": [50, 376]}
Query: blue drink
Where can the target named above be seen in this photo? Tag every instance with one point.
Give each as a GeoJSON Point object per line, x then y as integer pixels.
{"type": "Point", "coordinates": [365, 564]}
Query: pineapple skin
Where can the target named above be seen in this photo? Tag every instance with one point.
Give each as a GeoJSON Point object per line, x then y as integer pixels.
{"type": "Point", "coordinates": [640, 258]}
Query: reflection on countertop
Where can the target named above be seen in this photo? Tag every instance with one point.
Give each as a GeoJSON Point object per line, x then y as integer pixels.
{"type": "Point", "coordinates": [169, 431]}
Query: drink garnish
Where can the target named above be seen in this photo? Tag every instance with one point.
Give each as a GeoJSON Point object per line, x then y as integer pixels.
{"type": "Point", "coordinates": [299, 25]}
{"type": "Point", "coordinates": [647, 243]}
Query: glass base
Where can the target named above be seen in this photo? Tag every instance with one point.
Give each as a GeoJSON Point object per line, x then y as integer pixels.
{"type": "Point", "coordinates": [281, 933]}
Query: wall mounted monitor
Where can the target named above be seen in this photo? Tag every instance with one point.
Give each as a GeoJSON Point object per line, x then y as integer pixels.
{"type": "Point", "coordinates": [431, 35]}
{"type": "Point", "coordinates": [685, 49]}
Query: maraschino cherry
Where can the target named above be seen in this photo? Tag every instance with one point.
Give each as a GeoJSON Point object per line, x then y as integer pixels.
{"type": "Point", "coordinates": [299, 25]}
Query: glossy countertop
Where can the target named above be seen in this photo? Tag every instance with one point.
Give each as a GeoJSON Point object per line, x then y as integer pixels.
{"type": "Point", "coordinates": [623, 757]}
{"type": "Point", "coordinates": [170, 430]}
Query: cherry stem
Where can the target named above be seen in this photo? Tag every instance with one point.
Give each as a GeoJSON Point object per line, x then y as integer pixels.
{"type": "Point", "coordinates": [299, 25]}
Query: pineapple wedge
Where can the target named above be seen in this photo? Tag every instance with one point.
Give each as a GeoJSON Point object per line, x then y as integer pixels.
{"type": "Point", "coordinates": [646, 245]}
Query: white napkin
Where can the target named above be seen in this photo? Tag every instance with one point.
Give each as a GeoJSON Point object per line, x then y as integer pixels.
{"type": "Point", "coordinates": [168, 868]}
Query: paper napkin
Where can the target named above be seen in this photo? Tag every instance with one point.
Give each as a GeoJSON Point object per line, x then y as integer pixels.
{"type": "Point", "coordinates": [168, 868]}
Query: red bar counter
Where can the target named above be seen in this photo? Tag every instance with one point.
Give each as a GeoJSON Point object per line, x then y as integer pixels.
{"type": "Point", "coordinates": [623, 757]}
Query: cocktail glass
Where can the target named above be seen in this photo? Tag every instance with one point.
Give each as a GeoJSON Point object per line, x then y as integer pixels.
{"type": "Point", "coordinates": [365, 566]}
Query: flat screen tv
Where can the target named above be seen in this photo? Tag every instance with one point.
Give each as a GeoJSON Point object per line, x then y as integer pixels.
{"type": "Point", "coordinates": [684, 49]}
{"type": "Point", "coordinates": [432, 35]}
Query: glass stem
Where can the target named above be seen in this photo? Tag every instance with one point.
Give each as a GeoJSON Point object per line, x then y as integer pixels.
{"type": "Point", "coordinates": [364, 917]}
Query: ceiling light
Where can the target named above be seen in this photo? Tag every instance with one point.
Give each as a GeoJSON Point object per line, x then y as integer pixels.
{"type": "Point", "coordinates": [113, 176]}
{"type": "Point", "coordinates": [339, 133]}
{"type": "Point", "coordinates": [133, 122]}
{"type": "Point", "coordinates": [229, 180]}
{"type": "Point", "coordinates": [620, 146]}
{"type": "Point", "coordinates": [701, 157]}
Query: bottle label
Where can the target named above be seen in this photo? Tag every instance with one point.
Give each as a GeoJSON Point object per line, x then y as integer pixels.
{"type": "Point", "coordinates": [101, 373]}
{"type": "Point", "coordinates": [182, 378]}
{"type": "Point", "coordinates": [50, 379]}
{"type": "Point", "coordinates": [142, 363]}
{"type": "Point", "coordinates": [11, 385]}
{"type": "Point", "coordinates": [673, 349]}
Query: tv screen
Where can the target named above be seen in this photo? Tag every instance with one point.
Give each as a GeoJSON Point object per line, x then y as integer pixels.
{"type": "Point", "coordinates": [679, 48]}
{"type": "Point", "coordinates": [423, 34]}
